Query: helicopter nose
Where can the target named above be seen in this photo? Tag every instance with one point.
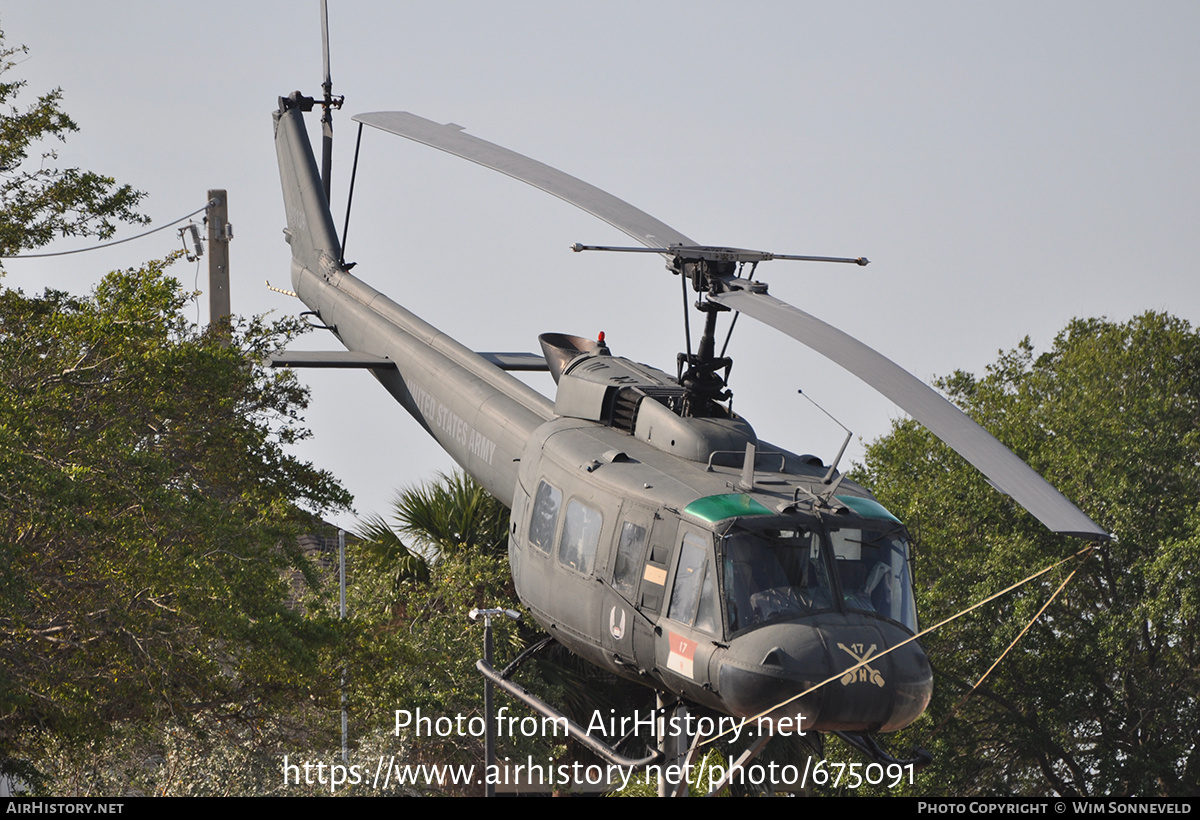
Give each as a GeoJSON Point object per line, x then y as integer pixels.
{"type": "Point", "coordinates": [769, 666]}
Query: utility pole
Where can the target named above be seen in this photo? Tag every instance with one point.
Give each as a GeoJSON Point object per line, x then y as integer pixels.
{"type": "Point", "coordinates": [219, 233]}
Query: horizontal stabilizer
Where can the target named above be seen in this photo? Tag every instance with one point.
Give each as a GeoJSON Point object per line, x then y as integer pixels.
{"type": "Point", "coordinates": [517, 361]}
{"type": "Point", "coordinates": [329, 358]}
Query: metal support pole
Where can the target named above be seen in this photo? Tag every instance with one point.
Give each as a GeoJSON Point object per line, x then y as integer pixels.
{"type": "Point", "coordinates": [342, 616]}
{"type": "Point", "coordinates": [489, 737]}
{"type": "Point", "coordinates": [672, 747]}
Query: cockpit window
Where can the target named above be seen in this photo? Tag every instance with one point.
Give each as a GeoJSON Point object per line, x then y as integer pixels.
{"type": "Point", "coordinates": [872, 569]}
{"type": "Point", "coordinates": [772, 574]}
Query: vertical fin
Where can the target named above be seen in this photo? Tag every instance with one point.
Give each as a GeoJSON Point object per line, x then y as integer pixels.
{"type": "Point", "coordinates": [310, 229]}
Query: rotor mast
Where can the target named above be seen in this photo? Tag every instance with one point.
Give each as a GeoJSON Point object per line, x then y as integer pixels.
{"type": "Point", "coordinates": [328, 103]}
{"type": "Point", "coordinates": [700, 377]}
{"type": "Point", "coordinates": [710, 268]}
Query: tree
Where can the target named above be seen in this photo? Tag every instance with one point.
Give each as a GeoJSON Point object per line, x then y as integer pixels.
{"type": "Point", "coordinates": [38, 205]}
{"type": "Point", "coordinates": [415, 647]}
{"type": "Point", "coordinates": [149, 518]}
{"type": "Point", "coordinates": [1102, 696]}
{"type": "Point", "coordinates": [148, 511]}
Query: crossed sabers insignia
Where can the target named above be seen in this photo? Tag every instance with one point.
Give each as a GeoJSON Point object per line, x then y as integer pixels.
{"type": "Point", "coordinates": [862, 673]}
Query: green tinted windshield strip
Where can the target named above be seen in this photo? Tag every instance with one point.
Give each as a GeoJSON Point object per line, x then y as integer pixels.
{"type": "Point", "coordinates": [715, 508]}
{"type": "Point", "coordinates": [867, 507]}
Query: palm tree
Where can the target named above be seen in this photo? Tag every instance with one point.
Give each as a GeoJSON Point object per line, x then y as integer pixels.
{"type": "Point", "coordinates": [452, 513]}
{"type": "Point", "coordinates": [384, 547]}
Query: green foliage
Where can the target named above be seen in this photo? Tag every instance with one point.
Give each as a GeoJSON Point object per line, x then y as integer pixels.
{"type": "Point", "coordinates": [203, 758]}
{"type": "Point", "coordinates": [382, 556]}
{"type": "Point", "coordinates": [148, 514]}
{"type": "Point", "coordinates": [452, 514]}
{"type": "Point", "coordinates": [149, 517]}
{"type": "Point", "coordinates": [1102, 696]}
{"type": "Point", "coordinates": [646, 785]}
{"type": "Point", "coordinates": [39, 204]}
{"type": "Point", "coordinates": [415, 648]}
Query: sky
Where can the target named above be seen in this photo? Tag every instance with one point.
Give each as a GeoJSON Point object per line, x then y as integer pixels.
{"type": "Point", "coordinates": [1006, 167]}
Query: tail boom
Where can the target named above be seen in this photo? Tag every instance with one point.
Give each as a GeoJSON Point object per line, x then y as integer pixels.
{"type": "Point", "coordinates": [478, 413]}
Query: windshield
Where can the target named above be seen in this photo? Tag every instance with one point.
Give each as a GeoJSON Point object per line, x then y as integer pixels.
{"type": "Point", "coordinates": [777, 573]}
{"type": "Point", "coordinates": [872, 570]}
{"type": "Point", "coordinates": [774, 573]}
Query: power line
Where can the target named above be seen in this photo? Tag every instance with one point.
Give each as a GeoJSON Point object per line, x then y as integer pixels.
{"type": "Point", "coordinates": [206, 205]}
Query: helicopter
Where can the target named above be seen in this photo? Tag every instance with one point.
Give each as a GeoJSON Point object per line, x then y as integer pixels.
{"type": "Point", "coordinates": [652, 532]}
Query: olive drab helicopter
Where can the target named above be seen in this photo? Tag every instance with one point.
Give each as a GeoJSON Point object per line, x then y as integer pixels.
{"type": "Point", "coordinates": [652, 532]}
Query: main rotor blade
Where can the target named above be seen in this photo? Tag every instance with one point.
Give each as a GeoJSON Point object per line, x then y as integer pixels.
{"type": "Point", "coordinates": [451, 139]}
{"type": "Point", "coordinates": [1008, 473]}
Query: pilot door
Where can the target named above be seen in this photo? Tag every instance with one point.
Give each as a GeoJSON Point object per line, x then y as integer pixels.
{"type": "Point", "coordinates": [645, 544]}
{"type": "Point", "coordinates": [693, 614]}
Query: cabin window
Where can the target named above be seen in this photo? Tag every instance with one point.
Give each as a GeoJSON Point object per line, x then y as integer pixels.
{"type": "Point", "coordinates": [544, 519]}
{"type": "Point", "coordinates": [580, 537]}
{"type": "Point", "coordinates": [774, 574]}
{"type": "Point", "coordinates": [693, 600]}
{"type": "Point", "coordinates": [630, 551]}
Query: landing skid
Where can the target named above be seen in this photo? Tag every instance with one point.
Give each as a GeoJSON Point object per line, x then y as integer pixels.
{"type": "Point", "coordinates": [862, 742]}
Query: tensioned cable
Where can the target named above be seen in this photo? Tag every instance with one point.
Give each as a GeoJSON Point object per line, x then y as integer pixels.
{"type": "Point", "coordinates": [979, 682]}
{"type": "Point", "coordinates": [350, 196]}
{"type": "Point", "coordinates": [1081, 553]}
{"type": "Point", "coordinates": [207, 205]}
